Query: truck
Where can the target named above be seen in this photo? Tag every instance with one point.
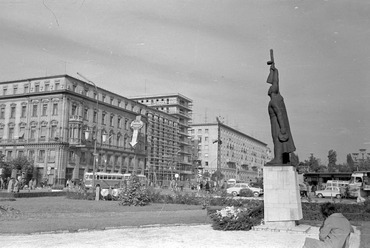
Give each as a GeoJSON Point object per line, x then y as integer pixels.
{"type": "Point", "coordinates": [359, 183]}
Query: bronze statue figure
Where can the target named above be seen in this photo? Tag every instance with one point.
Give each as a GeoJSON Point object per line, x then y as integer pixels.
{"type": "Point", "coordinates": [280, 129]}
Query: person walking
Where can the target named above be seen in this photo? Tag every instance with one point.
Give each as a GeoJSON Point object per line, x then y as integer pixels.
{"type": "Point", "coordinates": [34, 183]}
{"type": "Point", "coordinates": [207, 187]}
{"type": "Point", "coordinates": [30, 184]}
{"type": "Point", "coordinates": [10, 185]}
{"type": "Point", "coordinates": [313, 189]}
{"type": "Point", "coordinates": [16, 186]}
{"type": "Point", "coordinates": [172, 184]}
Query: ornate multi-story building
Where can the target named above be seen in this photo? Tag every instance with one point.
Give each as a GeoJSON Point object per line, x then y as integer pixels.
{"type": "Point", "coordinates": [179, 107]}
{"type": "Point", "coordinates": [63, 123]}
{"type": "Point", "coordinates": [236, 154]}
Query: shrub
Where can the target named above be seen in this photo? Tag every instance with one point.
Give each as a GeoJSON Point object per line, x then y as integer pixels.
{"type": "Point", "coordinates": [189, 199]}
{"type": "Point", "coordinates": [367, 205]}
{"type": "Point", "coordinates": [59, 187]}
{"type": "Point", "coordinates": [80, 194]}
{"type": "Point", "coordinates": [246, 193]}
{"type": "Point", "coordinates": [220, 192]}
{"type": "Point", "coordinates": [154, 195]}
{"type": "Point", "coordinates": [229, 201]}
{"type": "Point", "coordinates": [134, 193]}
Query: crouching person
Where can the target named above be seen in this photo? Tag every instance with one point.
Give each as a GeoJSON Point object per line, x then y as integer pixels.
{"type": "Point", "coordinates": [335, 231]}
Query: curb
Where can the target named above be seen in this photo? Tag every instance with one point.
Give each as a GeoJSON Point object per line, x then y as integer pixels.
{"type": "Point", "coordinates": [102, 229]}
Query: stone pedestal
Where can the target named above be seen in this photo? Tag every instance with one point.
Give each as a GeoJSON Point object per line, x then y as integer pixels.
{"type": "Point", "coordinates": [282, 201]}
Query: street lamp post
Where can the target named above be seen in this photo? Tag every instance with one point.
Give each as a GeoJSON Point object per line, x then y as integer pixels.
{"type": "Point", "coordinates": [97, 105]}
{"type": "Point", "coordinates": [87, 133]}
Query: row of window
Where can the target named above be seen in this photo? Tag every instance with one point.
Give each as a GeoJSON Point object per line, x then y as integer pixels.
{"type": "Point", "coordinates": [54, 112]}
{"type": "Point", "coordinates": [40, 158]}
{"type": "Point", "coordinates": [200, 131]}
{"type": "Point", "coordinates": [34, 112]}
{"type": "Point", "coordinates": [104, 116]}
{"type": "Point", "coordinates": [32, 133]}
{"type": "Point", "coordinates": [50, 158]}
{"type": "Point", "coordinates": [26, 89]}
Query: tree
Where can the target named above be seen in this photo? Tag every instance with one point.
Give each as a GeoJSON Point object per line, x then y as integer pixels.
{"type": "Point", "coordinates": [206, 174]}
{"type": "Point", "coordinates": [217, 176]}
{"type": "Point", "coordinates": [302, 167]}
{"type": "Point", "coordinates": [364, 165]}
{"type": "Point", "coordinates": [312, 163]}
{"type": "Point", "coordinates": [350, 162]}
{"type": "Point", "coordinates": [332, 158]}
{"type": "Point", "coordinates": [21, 164]}
{"type": "Point", "coordinates": [343, 168]}
{"type": "Point", "coordinates": [5, 171]}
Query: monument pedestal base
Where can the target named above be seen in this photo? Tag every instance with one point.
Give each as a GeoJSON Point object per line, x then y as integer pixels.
{"type": "Point", "coordinates": [282, 200]}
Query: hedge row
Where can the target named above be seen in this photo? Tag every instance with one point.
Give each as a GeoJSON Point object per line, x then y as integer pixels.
{"type": "Point", "coordinates": [88, 195]}
{"type": "Point", "coordinates": [31, 194]}
{"type": "Point", "coordinates": [354, 212]}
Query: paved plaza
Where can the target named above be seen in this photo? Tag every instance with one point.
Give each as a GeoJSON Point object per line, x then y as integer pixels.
{"type": "Point", "coordinates": [167, 236]}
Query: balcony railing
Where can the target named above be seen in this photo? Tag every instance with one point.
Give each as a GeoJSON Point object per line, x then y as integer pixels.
{"type": "Point", "coordinates": [75, 141]}
{"type": "Point", "coordinates": [76, 118]}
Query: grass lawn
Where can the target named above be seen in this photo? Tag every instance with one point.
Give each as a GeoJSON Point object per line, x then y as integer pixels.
{"type": "Point", "coordinates": [44, 214]}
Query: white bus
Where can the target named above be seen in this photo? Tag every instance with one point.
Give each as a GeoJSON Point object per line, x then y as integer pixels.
{"type": "Point", "coordinates": [109, 180]}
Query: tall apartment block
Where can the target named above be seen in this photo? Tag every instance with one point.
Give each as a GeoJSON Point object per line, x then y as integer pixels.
{"type": "Point", "coordinates": [180, 107]}
{"type": "Point", "coordinates": [63, 124]}
{"type": "Point", "coordinates": [236, 154]}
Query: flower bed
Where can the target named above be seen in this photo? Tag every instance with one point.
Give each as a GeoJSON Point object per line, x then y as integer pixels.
{"type": "Point", "coordinates": [236, 218]}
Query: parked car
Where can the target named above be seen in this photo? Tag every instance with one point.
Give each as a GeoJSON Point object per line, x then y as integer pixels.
{"type": "Point", "coordinates": [235, 190]}
{"type": "Point", "coordinates": [329, 192]}
{"type": "Point", "coordinates": [231, 182]}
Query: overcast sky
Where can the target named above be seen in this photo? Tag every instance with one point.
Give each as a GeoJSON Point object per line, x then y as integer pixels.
{"type": "Point", "coordinates": [213, 52]}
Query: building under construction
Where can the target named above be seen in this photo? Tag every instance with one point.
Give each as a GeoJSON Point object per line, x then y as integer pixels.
{"type": "Point", "coordinates": [170, 153]}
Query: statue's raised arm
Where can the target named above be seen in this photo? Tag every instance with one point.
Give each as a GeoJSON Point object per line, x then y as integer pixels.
{"type": "Point", "coordinates": [271, 58]}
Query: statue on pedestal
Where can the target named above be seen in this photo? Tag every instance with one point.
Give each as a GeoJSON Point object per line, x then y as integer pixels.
{"type": "Point", "coordinates": [280, 129]}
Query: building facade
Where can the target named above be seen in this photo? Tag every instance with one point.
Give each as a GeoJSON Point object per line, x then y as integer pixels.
{"type": "Point", "coordinates": [180, 107]}
{"type": "Point", "coordinates": [63, 124]}
{"type": "Point", "coordinates": [236, 154]}
{"type": "Point", "coordinates": [162, 146]}
{"type": "Point", "coordinates": [361, 156]}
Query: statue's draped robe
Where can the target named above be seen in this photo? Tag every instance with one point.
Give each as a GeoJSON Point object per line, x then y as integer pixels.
{"type": "Point", "coordinates": [277, 101]}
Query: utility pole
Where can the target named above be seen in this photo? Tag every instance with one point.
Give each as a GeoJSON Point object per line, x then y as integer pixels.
{"type": "Point", "coordinates": [219, 142]}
